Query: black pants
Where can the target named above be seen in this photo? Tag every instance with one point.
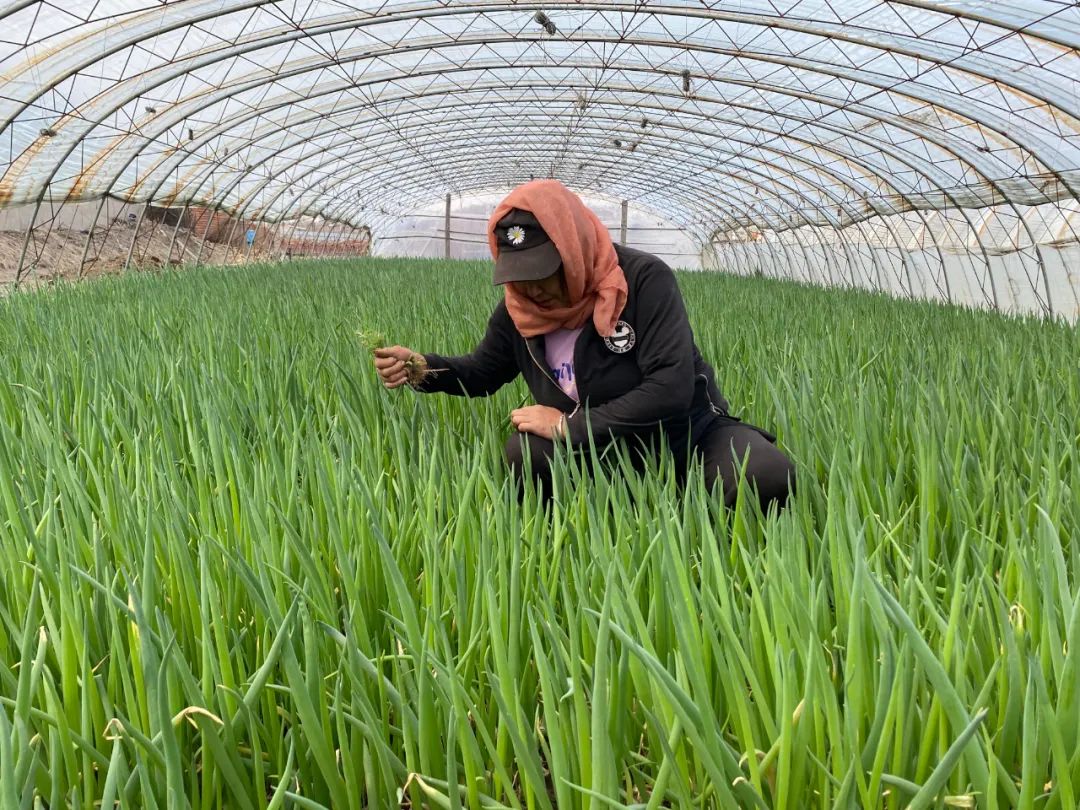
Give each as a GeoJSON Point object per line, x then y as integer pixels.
{"type": "Point", "coordinates": [724, 444]}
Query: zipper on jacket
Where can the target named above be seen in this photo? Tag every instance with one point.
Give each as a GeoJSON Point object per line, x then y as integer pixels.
{"type": "Point", "coordinates": [581, 396]}
{"type": "Point", "coordinates": [547, 373]}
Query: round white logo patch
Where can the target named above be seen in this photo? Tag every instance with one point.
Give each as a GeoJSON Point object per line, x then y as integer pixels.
{"type": "Point", "coordinates": [622, 339]}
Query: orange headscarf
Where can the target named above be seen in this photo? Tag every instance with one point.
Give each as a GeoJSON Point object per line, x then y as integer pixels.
{"type": "Point", "coordinates": [594, 279]}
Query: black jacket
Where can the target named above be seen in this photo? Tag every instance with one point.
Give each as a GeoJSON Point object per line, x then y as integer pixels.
{"type": "Point", "coordinates": [659, 379]}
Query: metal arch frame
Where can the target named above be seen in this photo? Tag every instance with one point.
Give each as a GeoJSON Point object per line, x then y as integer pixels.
{"type": "Point", "coordinates": [926, 168]}
{"type": "Point", "coordinates": [337, 145]}
{"type": "Point", "coordinates": [768, 185]}
{"type": "Point", "coordinates": [1021, 219]}
{"type": "Point", "coordinates": [498, 180]}
{"type": "Point", "coordinates": [12, 6]}
{"type": "Point", "coordinates": [181, 110]}
{"type": "Point", "coordinates": [790, 223]}
{"type": "Point", "coordinates": [902, 44]}
{"type": "Point", "coordinates": [846, 133]}
{"type": "Point", "coordinates": [327, 223]}
{"type": "Point", "coordinates": [947, 149]}
{"type": "Point", "coordinates": [896, 238]}
{"type": "Point", "coordinates": [864, 164]}
{"type": "Point", "coordinates": [795, 190]}
{"type": "Point", "coordinates": [273, 130]}
{"type": "Point", "coordinates": [715, 193]}
{"type": "Point", "coordinates": [851, 134]}
{"type": "Point", "coordinates": [491, 180]}
{"type": "Point", "coordinates": [243, 202]}
{"type": "Point", "coordinates": [242, 206]}
{"type": "Point", "coordinates": [843, 179]}
{"type": "Point", "coordinates": [839, 240]}
{"type": "Point", "coordinates": [280, 149]}
{"type": "Point", "coordinates": [944, 148]}
{"type": "Point", "coordinates": [791, 64]}
{"type": "Point", "coordinates": [926, 172]}
{"type": "Point", "coordinates": [1013, 23]}
{"type": "Point", "coordinates": [982, 281]}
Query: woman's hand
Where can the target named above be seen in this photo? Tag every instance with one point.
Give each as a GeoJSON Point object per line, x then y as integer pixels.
{"type": "Point", "coordinates": [540, 420]}
{"type": "Point", "coordinates": [391, 361]}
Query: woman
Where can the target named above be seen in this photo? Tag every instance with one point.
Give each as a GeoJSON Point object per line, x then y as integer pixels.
{"type": "Point", "coordinates": [601, 335]}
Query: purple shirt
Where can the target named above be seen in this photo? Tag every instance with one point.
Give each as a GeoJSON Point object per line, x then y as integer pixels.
{"type": "Point", "coordinates": [559, 348]}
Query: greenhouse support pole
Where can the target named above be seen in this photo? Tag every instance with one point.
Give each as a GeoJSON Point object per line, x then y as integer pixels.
{"type": "Point", "coordinates": [90, 236]}
{"type": "Point", "coordinates": [206, 232]}
{"type": "Point", "coordinates": [172, 241]}
{"type": "Point", "coordinates": [187, 238]}
{"type": "Point", "coordinates": [446, 226]}
{"type": "Point", "coordinates": [19, 268]}
{"type": "Point", "coordinates": [622, 226]}
{"type": "Point", "coordinates": [229, 239]}
{"type": "Point", "coordinates": [135, 237]}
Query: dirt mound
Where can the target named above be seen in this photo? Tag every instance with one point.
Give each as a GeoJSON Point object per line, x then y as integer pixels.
{"type": "Point", "coordinates": [61, 256]}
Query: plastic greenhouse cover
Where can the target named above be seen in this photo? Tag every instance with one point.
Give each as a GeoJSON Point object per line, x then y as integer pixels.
{"type": "Point", "coordinates": [806, 111]}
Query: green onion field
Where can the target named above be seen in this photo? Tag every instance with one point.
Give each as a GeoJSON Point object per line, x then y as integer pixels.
{"type": "Point", "coordinates": [236, 572]}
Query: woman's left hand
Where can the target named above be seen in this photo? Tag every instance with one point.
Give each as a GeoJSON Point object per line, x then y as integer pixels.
{"type": "Point", "coordinates": [540, 420]}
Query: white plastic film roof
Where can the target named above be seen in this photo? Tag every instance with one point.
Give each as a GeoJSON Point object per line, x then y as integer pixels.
{"type": "Point", "coordinates": [947, 124]}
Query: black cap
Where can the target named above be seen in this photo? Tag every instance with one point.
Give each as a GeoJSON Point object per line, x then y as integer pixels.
{"type": "Point", "coordinates": [526, 253]}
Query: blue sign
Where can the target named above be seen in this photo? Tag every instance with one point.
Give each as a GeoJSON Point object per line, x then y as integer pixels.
{"type": "Point", "coordinates": [251, 236]}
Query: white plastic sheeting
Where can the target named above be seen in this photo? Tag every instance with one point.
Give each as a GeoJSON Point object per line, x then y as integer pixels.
{"type": "Point", "coordinates": [422, 232]}
{"type": "Point", "coordinates": [919, 124]}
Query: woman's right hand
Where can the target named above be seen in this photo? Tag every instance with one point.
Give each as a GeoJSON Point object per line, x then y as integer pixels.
{"type": "Point", "coordinates": [390, 363]}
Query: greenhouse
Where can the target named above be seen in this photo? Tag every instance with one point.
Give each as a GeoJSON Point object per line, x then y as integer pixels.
{"type": "Point", "coordinates": [821, 256]}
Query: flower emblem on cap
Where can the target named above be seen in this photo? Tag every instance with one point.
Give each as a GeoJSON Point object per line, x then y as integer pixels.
{"type": "Point", "coordinates": [515, 234]}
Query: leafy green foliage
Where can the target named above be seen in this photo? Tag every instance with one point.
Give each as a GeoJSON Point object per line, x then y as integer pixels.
{"type": "Point", "coordinates": [239, 573]}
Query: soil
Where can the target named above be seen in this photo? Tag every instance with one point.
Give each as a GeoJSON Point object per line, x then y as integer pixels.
{"type": "Point", "coordinates": [62, 254]}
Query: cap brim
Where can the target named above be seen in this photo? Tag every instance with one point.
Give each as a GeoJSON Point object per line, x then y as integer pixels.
{"type": "Point", "coordinates": [527, 265]}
